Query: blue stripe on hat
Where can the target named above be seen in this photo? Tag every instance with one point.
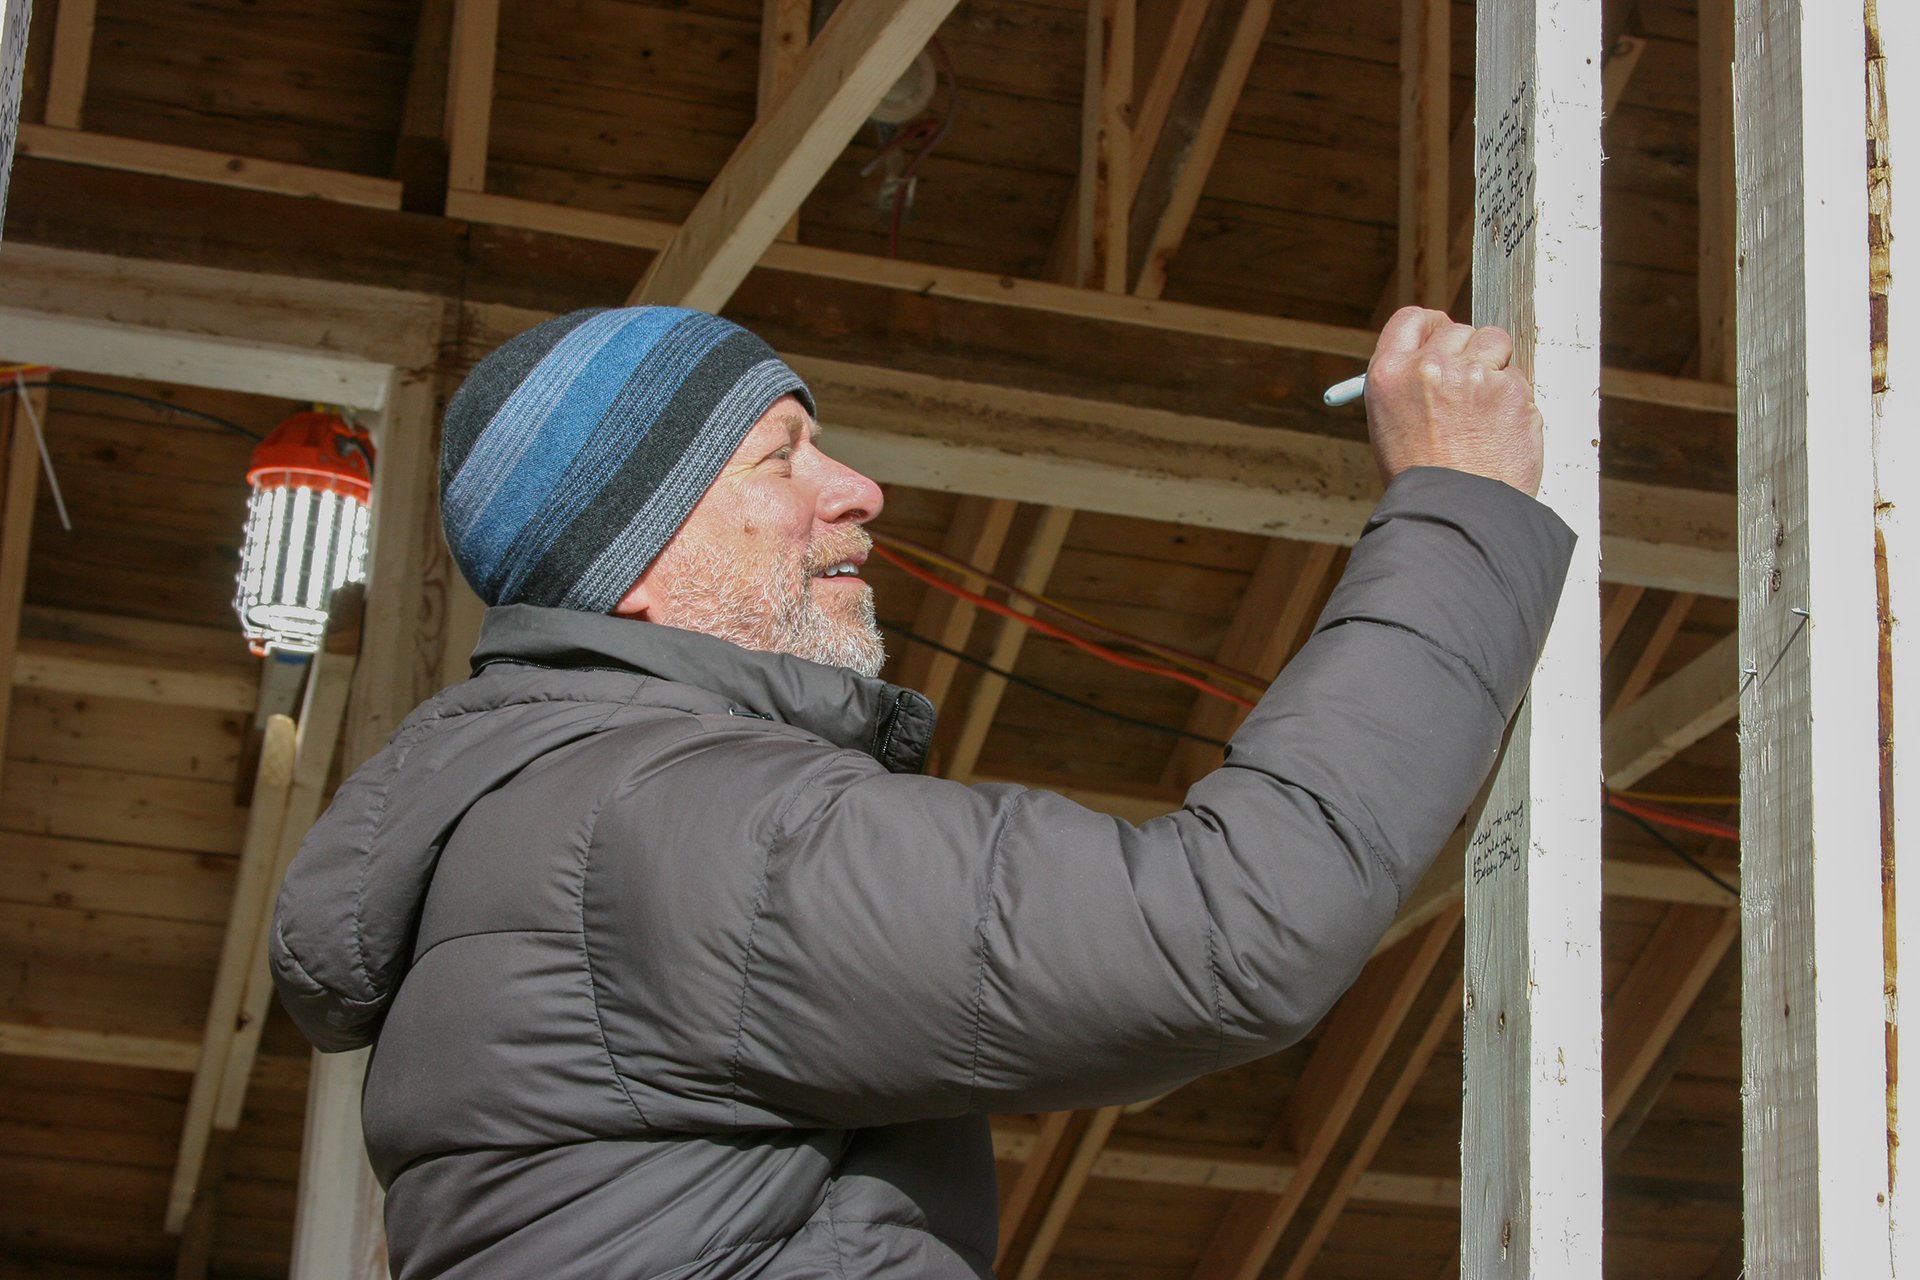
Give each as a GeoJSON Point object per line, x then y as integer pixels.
{"type": "Point", "coordinates": [654, 523]}
{"type": "Point", "coordinates": [560, 404]}
{"type": "Point", "coordinates": [647, 389]}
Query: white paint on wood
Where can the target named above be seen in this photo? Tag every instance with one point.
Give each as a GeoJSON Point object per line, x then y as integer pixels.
{"type": "Point", "coordinates": [337, 1231]}
{"type": "Point", "coordinates": [1531, 1127]}
{"type": "Point", "coordinates": [93, 346]}
{"type": "Point", "coordinates": [1813, 1051]}
{"type": "Point", "coordinates": [1897, 463]}
{"type": "Point", "coordinates": [864, 48]}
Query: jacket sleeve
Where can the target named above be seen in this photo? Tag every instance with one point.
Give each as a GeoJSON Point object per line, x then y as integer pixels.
{"type": "Point", "coordinates": [911, 947]}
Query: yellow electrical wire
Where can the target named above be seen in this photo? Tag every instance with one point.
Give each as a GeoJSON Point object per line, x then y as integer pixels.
{"type": "Point", "coordinates": [1668, 797]}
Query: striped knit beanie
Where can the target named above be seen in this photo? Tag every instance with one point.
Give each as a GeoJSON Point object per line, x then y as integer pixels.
{"type": "Point", "coordinates": [574, 451]}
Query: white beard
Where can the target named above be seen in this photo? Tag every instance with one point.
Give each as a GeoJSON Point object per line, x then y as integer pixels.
{"type": "Point", "coordinates": [762, 603]}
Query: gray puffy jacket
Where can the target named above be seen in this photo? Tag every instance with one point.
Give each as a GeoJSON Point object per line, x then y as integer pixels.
{"type": "Point", "coordinates": [675, 968]}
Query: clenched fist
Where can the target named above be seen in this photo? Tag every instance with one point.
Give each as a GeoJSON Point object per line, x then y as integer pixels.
{"type": "Point", "coordinates": [1441, 394]}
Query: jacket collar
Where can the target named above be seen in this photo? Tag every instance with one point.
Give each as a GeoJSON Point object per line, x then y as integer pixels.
{"type": "Point", "coordinates": [891, 724]}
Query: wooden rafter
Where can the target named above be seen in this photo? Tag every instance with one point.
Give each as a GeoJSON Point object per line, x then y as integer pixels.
{"type": "Point", "coordinates": [167, 160]}
{"type": "Point", "coordinates": [976, 535]}
{"type": "Point", "coordinates": [1185, 180]}
{"type": "Point", "coordinates": [1675, 714]}
{"type": "Point", "coordinates": [1426, 41]}
{"type": "Point", "coordinates": [1025, 1192]}
{"type": "Point", "coordinates": [863, 49]}
{"type": "Point", "coordinates": [1654, 652]}
{"type": "Point", "coordinates": [1066, 1194]}
{"type": "Point", "coordinates": [785, 27]}
{"type": "Point", "coordinates": [1355, 1041]}
{"type": "Point", "coordinates": [1716, 219]}
{"type": "Point", "coordinates": [420, 153]}
{"type": "Point", "coordinates": [243, 990]}
{"type": "Point", "coordinates": [72, 58]}
{"type": "Point", "coordinates": [475, 42]}
{"type": "Point", "coordinates": [1665, 981]}
{"type": "Point", "coordinates": [1625, 598]}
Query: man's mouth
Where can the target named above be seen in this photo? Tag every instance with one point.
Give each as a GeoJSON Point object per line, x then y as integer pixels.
{"type": "Point", "coordinates": [849, 568]}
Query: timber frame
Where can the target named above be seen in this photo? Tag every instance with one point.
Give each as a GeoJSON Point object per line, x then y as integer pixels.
{"type": "Point", "coordinates": [1023, 463]}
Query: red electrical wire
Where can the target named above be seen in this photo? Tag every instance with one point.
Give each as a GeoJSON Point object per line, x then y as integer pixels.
{"type": "Point", "coordinates": [1058, 633]}
{"type": "Point", "coordinates": [1673, 818]}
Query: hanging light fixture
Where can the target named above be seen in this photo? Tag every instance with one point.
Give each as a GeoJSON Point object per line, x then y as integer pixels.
{"type": "Point", "coordinates": [306, 536]}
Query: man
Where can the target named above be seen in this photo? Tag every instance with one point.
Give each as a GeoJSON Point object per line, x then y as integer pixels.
{"type": "Point", "coordinates": [676, 967]}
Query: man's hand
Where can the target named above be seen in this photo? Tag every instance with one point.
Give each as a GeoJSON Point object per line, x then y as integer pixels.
{"type": "Point", "coordinates": [1441, 394]}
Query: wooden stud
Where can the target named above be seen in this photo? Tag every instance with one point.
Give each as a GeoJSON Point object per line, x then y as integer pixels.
{"type": "Point", "coordinates": [1190, 177]}
{"type": "Point", "coordinates": [864, 48]}
{"type": "Point", "coordinates": [1894, 102]}
{"type": "Point", "coordinates": [476, 41]}
{"type": "Point", "coordinates": [1813, 1060]}
{"type": "Point", "coordinates": [1358, 1034]}
{"type": "Point", "coordinates": [72, 56]}
{"type": "Point", "coordinates": [1530, 1134]}
{"type": "Point", "coordinates": [1426, 42]}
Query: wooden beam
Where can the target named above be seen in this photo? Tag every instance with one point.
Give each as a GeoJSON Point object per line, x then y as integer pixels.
{"type": "Point", "coordinates": [1426, 43]}
{"type": "Point", "coordinates": [1813, 1061]}
{"type": "Point", "coordinates": [975, 535]}
{"type": "Point", "coordinates": [1894, 101]}
{"type": "Point", "coordinates": [18, 489]}
{"type": "Point", "coordinates": [476, 39]}
{"type": "Point", "coordinates": [249, 172]}
{"type": "Point", "coordinates": [1614, 618]}
{"type": "Point", "coordinates": [1530, 1133]}
{"type": "Point", "coordinates": [420, 151]}
{"type": "Point", "coordinates": [1190, 177]}
{"type": "Point", "coordinates": [1095, 455]}
{"type": "Point", "coordinates": [91, 671]}
{"type": "Point", "coordinates": [864, 48]}
{"type": "Point", "coordinates": [72, 56]}
{"type": "Point", "coordinates": [1358, 1033]}
{"type": "Point", "coordinates": [1682, 709]}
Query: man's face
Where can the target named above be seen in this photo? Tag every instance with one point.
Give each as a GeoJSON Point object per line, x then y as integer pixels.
{"type": "Point", "coordinates": [770, 557]}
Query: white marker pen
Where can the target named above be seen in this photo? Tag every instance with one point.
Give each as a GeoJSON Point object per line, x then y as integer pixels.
{"type": "Point", "coordinates": [1346, 392]}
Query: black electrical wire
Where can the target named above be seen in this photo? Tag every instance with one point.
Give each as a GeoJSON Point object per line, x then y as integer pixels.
{"type": "Point", "coordinates": [226, 424]}
{"type": "Point", "coordinates": [1676, 850]}
{"type": "Point", "coordinates": [1055, 694]}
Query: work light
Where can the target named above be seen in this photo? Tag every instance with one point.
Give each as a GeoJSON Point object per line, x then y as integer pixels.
{"type": "Point", "coordinates": [306, 529]}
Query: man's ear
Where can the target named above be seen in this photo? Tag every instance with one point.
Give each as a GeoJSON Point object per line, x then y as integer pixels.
{"type": "Point", "coordinates": [640, 600]}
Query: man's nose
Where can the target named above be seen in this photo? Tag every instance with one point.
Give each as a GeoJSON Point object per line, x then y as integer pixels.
{"type": "Point", "coordinates": [847, 496]}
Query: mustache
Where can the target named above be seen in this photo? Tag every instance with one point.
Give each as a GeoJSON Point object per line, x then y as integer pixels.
{"type": "Point", "coordinates": [855, 543]}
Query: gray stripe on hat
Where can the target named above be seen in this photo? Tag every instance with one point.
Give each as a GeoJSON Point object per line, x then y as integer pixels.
{"type": "Point", "coordinates": [615, 570]}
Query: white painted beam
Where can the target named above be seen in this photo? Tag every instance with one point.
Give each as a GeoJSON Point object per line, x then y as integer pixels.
{"type": "Point", "coordinates": [1531, 1117]}
{"type": "Point", "coordinates": [1813, 1049]}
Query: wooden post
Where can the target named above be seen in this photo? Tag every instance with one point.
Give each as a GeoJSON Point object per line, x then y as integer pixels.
{"type": "Point", "coordinates": [1896, 103]}
{"type": "Point", "coordinates": [1813, 1052]}
{"type": "Point", "coordinates": [1530, 1136]}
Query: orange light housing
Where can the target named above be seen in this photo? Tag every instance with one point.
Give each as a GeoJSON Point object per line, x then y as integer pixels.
{"type": "Point", "coordinates": [306, 536]}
